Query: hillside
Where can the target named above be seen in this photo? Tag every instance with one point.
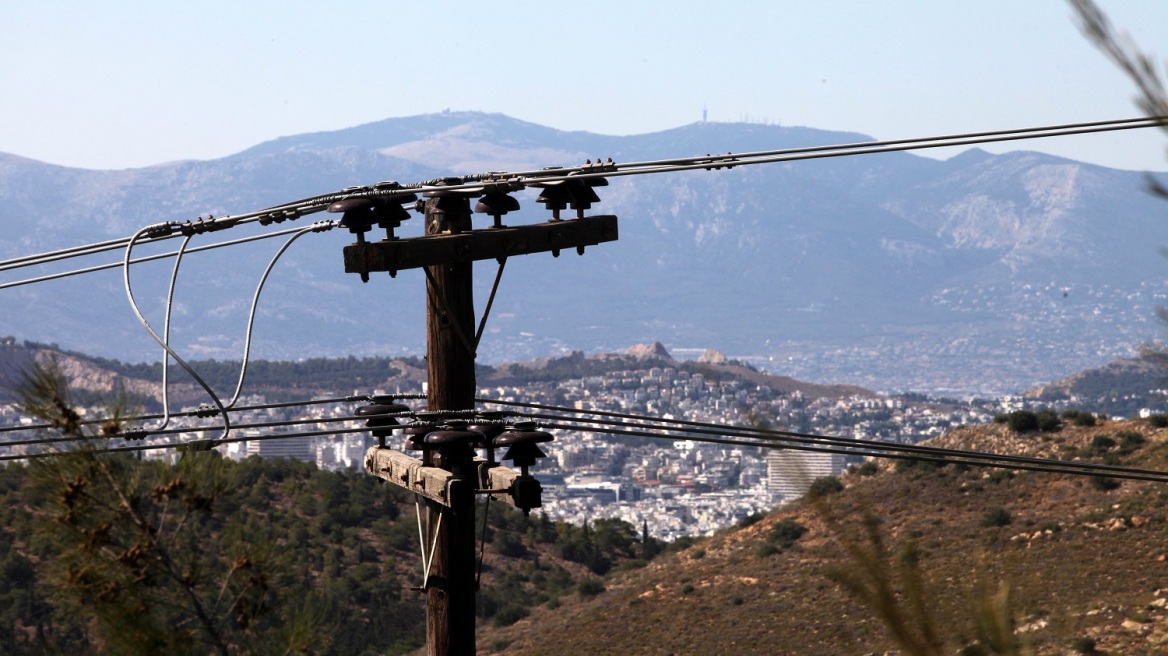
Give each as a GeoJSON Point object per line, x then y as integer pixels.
{"type": "Point", "coordinates": [90, 377]}
{"type": "Point", "coordinates": [335, 552]}
{"type": "Point", "coordinates": [1082, 561]}
{"type": "Point", "coordinates": [1120, 387]}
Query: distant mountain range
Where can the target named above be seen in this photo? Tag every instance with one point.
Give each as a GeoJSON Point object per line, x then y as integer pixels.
{"type": "Point", "coordinates": [982, 273]}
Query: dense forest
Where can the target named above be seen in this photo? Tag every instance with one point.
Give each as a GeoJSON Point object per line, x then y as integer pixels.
{"type": "Point", "coordinates": [104, 554]}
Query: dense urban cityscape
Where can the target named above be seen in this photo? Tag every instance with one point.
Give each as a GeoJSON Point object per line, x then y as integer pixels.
{"type": "Point", "coordinates": [671, 486]}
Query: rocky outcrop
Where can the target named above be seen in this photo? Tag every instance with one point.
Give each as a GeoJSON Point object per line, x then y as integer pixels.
{"type": "Point", "coordinates": [656, 350]}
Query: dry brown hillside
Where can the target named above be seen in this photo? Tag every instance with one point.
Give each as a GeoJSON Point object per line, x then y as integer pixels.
{"type": "Point", "coordinates": [1083, 561]}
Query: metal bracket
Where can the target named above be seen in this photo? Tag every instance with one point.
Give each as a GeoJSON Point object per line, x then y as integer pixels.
{"type": "Point", "coordinates": [489, 244]}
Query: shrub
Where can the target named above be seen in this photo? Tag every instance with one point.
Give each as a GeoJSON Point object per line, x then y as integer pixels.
{"type": "Point", "coordinates": [750, 520]}
{"type": "Point", "coordinates": [1022, 421]}
{"type": "Point", "coordinates": [1084, 646]}
{"type": "Point", "coordinates": [1085, 419]}
{"type": "Point", "coordinates": [868, 468]}
{"type": "Point", "coordinates": [1130, 440]}
{"type": "Point", "coordinates": [767, 549]}
{"type": "Point", "coordinates": [509, 544]}
{"type": "Point", "coordinates": [1048, 422]}
{"type": "Point", "coordinates": [1104, 483]}
{"type": "Point", "coordinates": [999, 475]}
{"type": "Point", "coordinates": [687, 588]}
{"type": "Point", "coordinates": [590, 587]}
{"type": "Point", "coordinates": [997, 517]}
{"type": "Point", "coordinates": [510, 614]}
{"type": "Point", "coordinates": [786, 533]}
{"type": "Point", "coordinates": [682, 543]}
{"type": "Point", "coordinates": [1101, 443]}
{"type": "Point", "coordinates": [823, 486]}
{"type": "Point", "coordinates": [1158, 420]}
{"type": "Point", "coordinates": [911, 464]}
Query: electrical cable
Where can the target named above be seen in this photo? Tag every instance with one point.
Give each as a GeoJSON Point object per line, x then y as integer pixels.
{"type": "Point", "coordinates": [210, 443]}
{"type": "Point", "coordinates": [166, 335]}
{"type": "Point", "coordinates": [319, 227]}
{"type": "Point", "coordinates": [180, 430]}
{"type": "Point", "coordinates": [64, 253]}
{"type": "Point", "coordinates": [168, 230]}
{"type": "Point", "coordinates": [849, 445]}
{"type": "Point", "coordinates": [521, 179]}
{"type": "Point", "coordinates": [148, 258]}
{"type": "Point", "coordinates": [872, 449]}
{"type": "Point", "coordinates": [728, 160]}
{"type": "Point", "coordinates": [760, 439]}
{"type": "Point", "coordinates": [165, 346]}
{"type": "Point", "coordinates": [202, 412]}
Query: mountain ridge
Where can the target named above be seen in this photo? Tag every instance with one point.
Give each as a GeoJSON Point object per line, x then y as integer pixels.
{"type": "Point", "coordinates": [856, 258]}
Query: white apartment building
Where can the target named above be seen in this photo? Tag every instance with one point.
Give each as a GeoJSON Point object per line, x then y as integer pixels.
{"type": "Point", "coordinates": [790, 473]}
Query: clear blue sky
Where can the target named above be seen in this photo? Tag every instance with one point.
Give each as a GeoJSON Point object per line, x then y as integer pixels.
{"type": "Point", "coordinates": [120, 83]}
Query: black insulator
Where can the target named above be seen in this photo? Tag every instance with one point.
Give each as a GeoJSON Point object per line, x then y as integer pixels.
{"type": "Point", "coordinates": [389, 216]}
{"type": "Point", "coordinates": [454, 445]}
{"type": "Point", "coordinates": [489, 430]}
{"type": "Point", "coordinates": [379, 419]}
{"type": "Point", "coordinates": [523, 436]}
{"type": "Point", "coordinates": [453, 437]}
{"type": "Point", "coordinates": [582, 194]}
{"type": "Point", "coordinates": [347, 204]}
{"type": "Point", "coordinates": [416, 438]}
{"type": "Point", "coordinates": [524, 449]}
{"type": "Point", "coordinates": [496, 204]}
{"type": "Point", "coordinates": [357, 215]}
{"type": "Point", "coordinates": [582, 197]}
{"type": "Point", "coordinates": [555, 197]}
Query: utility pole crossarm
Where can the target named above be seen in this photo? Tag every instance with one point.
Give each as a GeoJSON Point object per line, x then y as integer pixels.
{"type": "Point", "coordinates": [433, 483]}
{"type": "Point", "coordinates": [409, 472]}
{"type": "Point", "coordinates": [486, 244]}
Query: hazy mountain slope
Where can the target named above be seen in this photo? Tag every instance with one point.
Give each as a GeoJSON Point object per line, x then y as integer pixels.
{"type": "Point", "coordinates": [875, 261]}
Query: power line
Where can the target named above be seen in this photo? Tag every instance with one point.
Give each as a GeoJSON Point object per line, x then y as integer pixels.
{"type": "Point", "coordinates": [207, 410]}
{"type": "Point", "coordinates": [193, 445]}
{"type": "Point", "coordinates": [181, 430]}
{"type": "Point", "coordinates": [805, 441]}
{"type": "Point", "coordinates": [824, 444]}
{"type": "Point", "coordinates": [764, 440]}
{"type": "Point", "coordinates": [511, 181]}
{"type": "Point", "coordinates": [324, 225]}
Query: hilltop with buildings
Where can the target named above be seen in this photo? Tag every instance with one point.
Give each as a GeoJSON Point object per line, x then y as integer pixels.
{"type": "Point", "coordinates": [674, 487]}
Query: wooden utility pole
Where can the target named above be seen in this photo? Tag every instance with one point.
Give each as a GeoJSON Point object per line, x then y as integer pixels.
{"type": "Point", "coordinates": [450, 476]}
{"type": "Point", "coordinates": [450, 597]}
